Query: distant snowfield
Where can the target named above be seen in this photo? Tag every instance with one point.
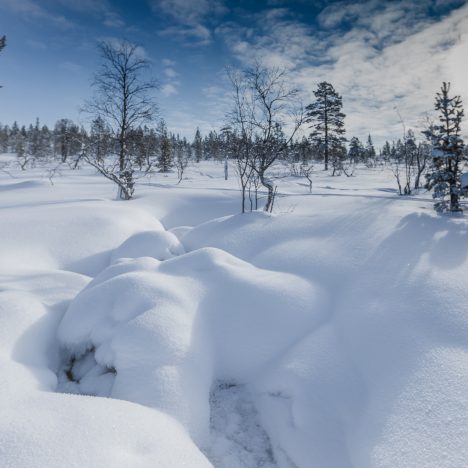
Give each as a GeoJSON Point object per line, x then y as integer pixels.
{"type": "Point", "coordinates": [172, 331]}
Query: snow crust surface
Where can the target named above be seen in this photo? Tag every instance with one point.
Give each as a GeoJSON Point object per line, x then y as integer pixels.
{"type": "Point", "coordinates": [172, 331]}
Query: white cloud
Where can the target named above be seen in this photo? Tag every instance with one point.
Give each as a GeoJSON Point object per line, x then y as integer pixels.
{"type": "Point", "coordinates": [113, 21]}
{"type": "Point", "coordinates": [169, 89]}
{"type": "Point", "coordinates": [100, 8]}
{"type": "Point", "coordinates": [190, 19]}
{"type": "Point", "coordinates": [71, 67]}
{"type": "Point", "coordinates": [184, 121]}
{"type": "Point", "coordinates": [190, 35]}
{"type": "Point", "coordinates": [170, 72]}
{"type": "Point", "coordinates": [38, 45]}
{"type": "Point", "coordinates": [32, 10]}
{"type": "Point", "coordinates": [390, 54]}
{"type": "Point", "coordinates": [116, 42]}
{"type": "Point", "coordinates": [188, 12]}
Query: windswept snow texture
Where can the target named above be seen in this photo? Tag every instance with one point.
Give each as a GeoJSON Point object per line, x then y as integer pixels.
{"type": "Point", "coordinates": [172, 331]}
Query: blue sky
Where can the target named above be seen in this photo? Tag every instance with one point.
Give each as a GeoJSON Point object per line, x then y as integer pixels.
{"type": "Point", "coordinates": [383, 57]}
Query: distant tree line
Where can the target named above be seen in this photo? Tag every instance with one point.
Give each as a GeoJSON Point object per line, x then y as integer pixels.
{"type": "Point", "coordinates": [267, 124]}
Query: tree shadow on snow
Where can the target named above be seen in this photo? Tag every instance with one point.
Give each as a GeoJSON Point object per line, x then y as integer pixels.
{"type": "Point", "coordinates": [442, 238]}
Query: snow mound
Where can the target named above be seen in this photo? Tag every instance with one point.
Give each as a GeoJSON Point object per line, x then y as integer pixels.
{"type": "Point", "coordinates": [160, 245]}
{"type": "Point", "coordinates": [40, 428]}
{"type": "Point", "coordinates": [69, 236]}
{"type": "Point", "coordinates": [25, 184]}
{"type": "Point", "coordinates": [55, 430]}
{"type": "Point", "coordinates": [185, 323]}
{"type": "Point", "coordinates": [378, 383]}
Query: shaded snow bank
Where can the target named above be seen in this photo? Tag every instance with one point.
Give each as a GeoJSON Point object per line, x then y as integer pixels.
{"type": "Point", "coordinates": [378, 384]}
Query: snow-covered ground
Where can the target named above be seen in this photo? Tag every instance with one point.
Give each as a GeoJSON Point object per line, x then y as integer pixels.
{"type": "Point", "coordinates": [172, 331]}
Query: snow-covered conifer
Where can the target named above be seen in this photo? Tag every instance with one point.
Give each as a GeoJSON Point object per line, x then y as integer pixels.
{"type": "Point", "coordinates": [447, 154]}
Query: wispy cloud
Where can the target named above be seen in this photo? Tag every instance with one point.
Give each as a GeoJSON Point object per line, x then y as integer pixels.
{"type": "Point", "coordinates": [71, 67]}
{"type": "Point", "coordinates": [168, 62]}
{"type": "Point", "coordinates": [30, 9]}
{"type": "Point", "coordinates": [189, 35]}
{"type": "Point", "coordinates": [38, 45]}
{"type": "Point", "coordinates": [189, 19]}
{"type": "Point", "coordinates": [116, 42]}
{"type": "Point", "coordinates": [170, 72]}
{"type": "Point", "coordinates": [99, 8]}
{"type": "Point", "coordinates": [169, 89]}
{"type": "Point", "coordinates": [188, 12]}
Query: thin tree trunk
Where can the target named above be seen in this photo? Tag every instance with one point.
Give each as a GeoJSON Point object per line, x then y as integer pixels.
{"type": "Point", "coordinates": [269, 186]}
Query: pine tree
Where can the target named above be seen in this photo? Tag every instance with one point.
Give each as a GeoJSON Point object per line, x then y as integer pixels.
{"type": "Point", "coordinates": [165, 153]}
{"type": "Point", "coordinates": [370, 154]}
{"type": "Point", "coordinates": [45, 142]}
{"type": "Point", "coordinates": [356, 150]}
{"type": "Point", "coordinates": [34, 138]}
{"type": "Point", "coordinates": [448, 152]}
{"type": "Point", "coordinates": [327, 121]}
{"type": "Point", "coordinates": [198, 146]}
{"type": "Point", "coordinates": [100, 139]}
{"type": "Point", "coordinates": [386, 152]}
{"type": "Point", "coordinates": [4, 136]}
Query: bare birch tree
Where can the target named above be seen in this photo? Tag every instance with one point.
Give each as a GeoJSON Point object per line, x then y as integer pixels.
{"type": "Point", "coordinates": [264, 106]}
{"type": "Point", "coordinates": [123, 100]}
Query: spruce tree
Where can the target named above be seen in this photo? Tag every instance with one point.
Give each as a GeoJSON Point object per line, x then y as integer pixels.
{"type": "Point", "coordinates": [198, 146]}
{"type": "Point", "coordinates": [165, 151]}
{"type": "Point", "coordinates": [356, 150]}
{"type": "Point", "coordinates": [100, 139]}
{"type": "Point", "coordinates": [370, 154]}
{"type": "Point", "coordinates": [327, 121]}
{"type": "Point", "coordinates": [386, 152]}
{"type": "Point", "coordinates": [448, 152]}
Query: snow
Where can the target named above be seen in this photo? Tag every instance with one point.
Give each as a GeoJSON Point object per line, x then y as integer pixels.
{"type": "Point", "coordinates": [161, 245]}
{"type": "Point", "coordinates": [168, 326]}
{"type": "Point", "coordinates": [171, 330]}
{"type": "Point", "coordinates": [464, 180]}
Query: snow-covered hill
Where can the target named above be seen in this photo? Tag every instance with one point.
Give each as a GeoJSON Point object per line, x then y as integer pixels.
{"type": "Point", "coordinates": [330, 334]}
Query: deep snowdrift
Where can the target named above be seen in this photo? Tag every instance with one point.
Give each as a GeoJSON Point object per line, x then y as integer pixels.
{"type": "Point", "coordinates": [332, 334]}
{"type": "Point", "coordinates": [172, 329]}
